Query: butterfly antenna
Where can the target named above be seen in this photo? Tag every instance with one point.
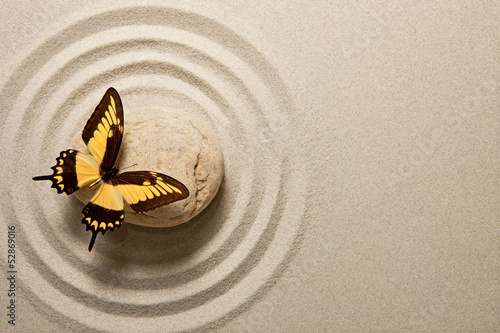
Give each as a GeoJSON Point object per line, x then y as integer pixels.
{"type": "Point", "coordinates": [133, 165]}
{"type": "Point", "coordinates": [42, 178]}
{"type": "Point", "coordinates": [91, 245]}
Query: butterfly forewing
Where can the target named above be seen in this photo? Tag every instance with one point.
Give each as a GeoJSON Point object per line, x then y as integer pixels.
{"type": "Point", "coordinates": [146, 190]}
{"type": "Point", "coordinates": [104, 130]}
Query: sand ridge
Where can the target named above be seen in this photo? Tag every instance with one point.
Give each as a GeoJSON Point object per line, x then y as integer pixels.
{"type": "Point", "coordinates": [215, 265]}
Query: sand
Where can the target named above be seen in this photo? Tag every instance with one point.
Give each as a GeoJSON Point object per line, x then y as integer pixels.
{"type": "Point", "coordinates": [360, 144]}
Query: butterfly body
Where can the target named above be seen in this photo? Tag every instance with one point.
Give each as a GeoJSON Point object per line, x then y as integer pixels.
{"type": "Point", "coordinates": [107, 175]}
{"type": "Point", "coordinates": [142, 190]}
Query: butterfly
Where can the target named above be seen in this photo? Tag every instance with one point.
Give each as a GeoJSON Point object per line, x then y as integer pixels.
{"type": "Point", "coordinates": [142, 190]}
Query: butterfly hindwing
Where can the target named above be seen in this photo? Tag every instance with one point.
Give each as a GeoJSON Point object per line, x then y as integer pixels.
{"type": "Point", "coordinates": [146, 190]}
{"type": "Point", "coordinates": [72, 171]}
{"type": "Point", "coordinates": [143, 191]}
{"type": "Point", "coordinates": [104, 211]}
{"type": "Point", "coordinates": [104, 130]}
{"type": "Point", "coordinates": [63, 177]}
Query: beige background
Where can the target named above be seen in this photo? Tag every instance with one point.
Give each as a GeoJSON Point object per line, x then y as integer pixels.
{"type": "Point", "coordinates": [361, 143]}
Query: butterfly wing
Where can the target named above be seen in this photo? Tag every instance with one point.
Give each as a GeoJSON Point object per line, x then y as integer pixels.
{"type": "Point", "coordinates": [104, 211]}
{"type": "Point", "coordinates": [143, 191]}
{"type": "Point", "coordinates": [104, 130]}
{"type": "Point", "coordinates": [72, 171]}
{"type": "Point", "coordinates": [146, 190]}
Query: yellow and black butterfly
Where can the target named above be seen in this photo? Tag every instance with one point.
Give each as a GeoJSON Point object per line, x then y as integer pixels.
{"type": "Point", "coordinates": [142, 190]}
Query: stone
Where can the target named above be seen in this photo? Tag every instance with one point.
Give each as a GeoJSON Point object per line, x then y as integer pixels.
{"type": "Point", "coordinates": [173, 143]}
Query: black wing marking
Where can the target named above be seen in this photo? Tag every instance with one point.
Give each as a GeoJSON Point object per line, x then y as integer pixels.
{"type": "Point", "coordinates": [64, 177]}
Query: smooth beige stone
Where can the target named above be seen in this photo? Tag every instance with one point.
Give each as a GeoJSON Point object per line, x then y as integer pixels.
{"type": "Point", "coordinates": [173, 143]}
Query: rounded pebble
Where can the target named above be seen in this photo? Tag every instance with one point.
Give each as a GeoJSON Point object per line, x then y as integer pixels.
{"type": "Point", "coordinates": [173, 143]}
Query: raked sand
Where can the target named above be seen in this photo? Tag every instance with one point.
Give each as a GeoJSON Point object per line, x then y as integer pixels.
{"type": "Point", "coordinates": [361, 167]}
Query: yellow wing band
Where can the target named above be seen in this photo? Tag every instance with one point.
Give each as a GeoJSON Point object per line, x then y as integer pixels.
{"type": "Point", "coordinates": [87, 169]}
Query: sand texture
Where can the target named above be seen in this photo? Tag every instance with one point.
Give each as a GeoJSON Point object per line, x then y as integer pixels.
{"type": "Point", "coordinates": [361, 165]}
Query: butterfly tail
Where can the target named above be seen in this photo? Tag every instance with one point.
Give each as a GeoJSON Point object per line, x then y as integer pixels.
{"type": "Point", "coordinates": [94, 235]}
{"type": "Point", "coordinates": [43, 177]}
